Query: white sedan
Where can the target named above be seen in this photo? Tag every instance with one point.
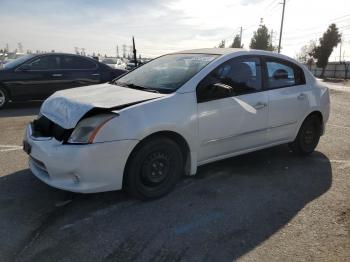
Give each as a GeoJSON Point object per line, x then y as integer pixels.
{"type": "Point", "coordinates": [146, 129]}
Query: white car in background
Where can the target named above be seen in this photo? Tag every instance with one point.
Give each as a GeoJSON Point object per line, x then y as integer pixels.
{"type": "Point", "coordinates": [171, 115]}
{"type": "Point", "coordinates": [113, 62]}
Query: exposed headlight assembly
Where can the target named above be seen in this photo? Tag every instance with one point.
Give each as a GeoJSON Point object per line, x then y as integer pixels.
{"type": "Point", "coordinates": [87, 129]}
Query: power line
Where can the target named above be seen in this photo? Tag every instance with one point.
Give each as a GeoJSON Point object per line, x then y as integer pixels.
{"type": "Point", "coordinates": [340, 19]}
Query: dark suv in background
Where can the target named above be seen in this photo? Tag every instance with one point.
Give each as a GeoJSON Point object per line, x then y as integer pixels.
{"type": "Point", "coordinates": [37, 76]}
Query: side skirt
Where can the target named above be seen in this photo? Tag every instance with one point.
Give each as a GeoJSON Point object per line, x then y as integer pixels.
{"type": "Point", "coordinates": [245, 151]}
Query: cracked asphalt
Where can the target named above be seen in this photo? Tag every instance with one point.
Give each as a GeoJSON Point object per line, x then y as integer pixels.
{"type": "Point", "coordinates": [264, 206]}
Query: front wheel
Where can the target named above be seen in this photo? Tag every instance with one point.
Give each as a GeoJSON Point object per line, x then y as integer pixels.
{"type": "Point", "coordinates": [3, 98]}
{"type": "Point", "coordinates": [154, 168]}
{"type": "Point", "coordinates": [308, 136]}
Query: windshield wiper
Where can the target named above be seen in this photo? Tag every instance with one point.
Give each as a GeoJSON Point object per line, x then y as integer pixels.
{"type": "Point", "coordinates": [133, 86]}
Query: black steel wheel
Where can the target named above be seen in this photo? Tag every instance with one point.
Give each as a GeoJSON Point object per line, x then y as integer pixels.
{"type": "Point", "coordinates": [154, 168]}
{"type": "Point", "coordinates": [308, 136]}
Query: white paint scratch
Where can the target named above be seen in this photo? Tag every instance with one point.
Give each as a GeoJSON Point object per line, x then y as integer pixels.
{"type": "Point", "coordinates": [7, 148]}
{"type": "Point", "coordinates": [347, 127]}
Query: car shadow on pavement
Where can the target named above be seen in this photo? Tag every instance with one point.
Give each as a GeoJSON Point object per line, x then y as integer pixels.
{"type": "Point", "coordinates": [226, 210]}
{"type": "Point", "coordinates": [21, 109]}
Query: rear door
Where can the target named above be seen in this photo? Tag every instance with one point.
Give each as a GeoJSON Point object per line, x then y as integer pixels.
{"type": "Point", "coordinates": [288, 98]}
{"type": "Point", "coordinates": [232, 109]}
{"type": "Point", "coordinates": [79, 71]}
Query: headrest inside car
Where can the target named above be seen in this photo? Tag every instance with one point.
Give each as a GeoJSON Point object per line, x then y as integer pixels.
{"type": "Point", "coordinates": [280, 74]}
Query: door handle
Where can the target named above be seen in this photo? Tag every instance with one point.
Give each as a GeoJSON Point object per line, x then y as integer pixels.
{"type": "Point", "coordinates": [56, 75]}
{"type": "Point", "coordinates": [95, 74]}
{"type": "Point", "coordinates": [302, 96]}
{"type": "Point", "coordinates": [260, 105]}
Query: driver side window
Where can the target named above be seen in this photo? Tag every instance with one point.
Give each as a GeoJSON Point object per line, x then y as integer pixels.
{"type": "Point", "coordinates": [238, 76]}
{"type": "Point", "coordinates": [45, 63]}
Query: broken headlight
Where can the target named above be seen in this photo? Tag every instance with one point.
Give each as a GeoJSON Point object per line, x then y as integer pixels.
{"type": "Point", "coordinates": [87, 129]}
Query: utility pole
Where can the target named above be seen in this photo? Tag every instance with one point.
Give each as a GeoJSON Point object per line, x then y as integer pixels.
{"type": "Point", "coordinates": [281, 30]}
{"type": "Point", "coordinates": [124, 51]}
{"type": "Point", "coordinates": [240, 37]}
{"type": "Point", "coordinates": [117, 51]}
{"type": "Point", "coordinates": [341, 42]}
{"type": "Point", "coordinates": [271, 36]}
{"type": "Point", "coordinates": [134, 50]}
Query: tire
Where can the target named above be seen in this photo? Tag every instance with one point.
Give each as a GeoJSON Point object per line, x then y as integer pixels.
{"type": "Point", "coordinates": [308, 136]}
{"type": "Point", "coordinates": [3, 98]}
{"type": "Point", "coordinates": [154, 168]}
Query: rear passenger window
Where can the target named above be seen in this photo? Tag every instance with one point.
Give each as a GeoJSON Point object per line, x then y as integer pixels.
{"type": "Point", "coordinates": [72, 62]}
{"type": "Point", "coordinates": [283, 74]}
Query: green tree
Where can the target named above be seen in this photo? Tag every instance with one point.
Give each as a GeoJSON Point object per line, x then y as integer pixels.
{"type": "Point", "coordinates": [330, 39]}
{"type": "Point", "coordinates": [236, 42]}
{"type": "Point", "coordinates": [305, 54]}
{"type": "Point", "coordinates": [262, 39]}
{"type": "Point", "coordinates": [222, 44]}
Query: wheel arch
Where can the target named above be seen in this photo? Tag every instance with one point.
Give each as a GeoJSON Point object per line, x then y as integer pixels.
{"type": "Point", "coordinates": [319, 115]}
{"type": "Point", "coordinates": [177, 138]}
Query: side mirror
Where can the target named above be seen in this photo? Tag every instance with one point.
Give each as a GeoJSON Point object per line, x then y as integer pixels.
{"type": "Point", "coordinates": [25, 67]}
{"type": "Point", "coordinates": [214, 91]}
{"type": "Point", "coordinates": [220, 90]}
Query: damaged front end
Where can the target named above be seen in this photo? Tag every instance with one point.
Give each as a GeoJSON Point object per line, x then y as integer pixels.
{"type": "Point", "coordinates": [74, 115]}
{"type": "Point", "coordinates": [42, 127]}
{"type": "Point", "coordinates": [84, 132]}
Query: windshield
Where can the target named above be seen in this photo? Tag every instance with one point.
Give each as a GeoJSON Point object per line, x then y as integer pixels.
{"type": "Point", "coordinates": [18, 61]}
{"type": "Point", "coordinates": [166, 73]}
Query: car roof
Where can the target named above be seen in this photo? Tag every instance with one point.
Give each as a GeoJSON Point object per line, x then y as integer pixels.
{"type": "Point", "coordinates": [226, 51]}
{"type": "Point", "coordinates": [239, 51]}
{"type": "Point", "coordinates": [68, 54]}
{"type": "Point", "coordinates": [216, 51]}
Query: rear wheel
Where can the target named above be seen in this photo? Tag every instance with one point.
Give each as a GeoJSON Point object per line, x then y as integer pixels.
{"type": "Point", "coordinates": [308, 136]}
{"type": "Point", "coordinates": [154, 168]}
{"type": "Point", "coordinates": [3, 98]}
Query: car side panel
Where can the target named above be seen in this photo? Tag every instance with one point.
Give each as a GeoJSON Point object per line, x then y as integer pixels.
{"type": "Point", "coordinates": [319, 103]}
{"type": "Point", "coordinates": [231, 124]}
{"type": "Point", "coordinates": [287, 107]}
{"type": "Point", "coordinates": [175, 112]}
{"type": "Point", "coordinates": [28, 85]}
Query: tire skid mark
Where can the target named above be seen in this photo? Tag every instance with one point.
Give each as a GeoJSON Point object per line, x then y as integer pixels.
{"type": "Point", "coordinates": [48, 220]}
{"type": "Point", "coordinates": [164, 254]}
{"type": "Point", "coordinates": [128, 250]}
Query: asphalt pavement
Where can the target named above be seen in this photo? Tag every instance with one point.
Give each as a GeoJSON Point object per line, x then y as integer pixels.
{"type": "Point", "coordinates": [264, 206]}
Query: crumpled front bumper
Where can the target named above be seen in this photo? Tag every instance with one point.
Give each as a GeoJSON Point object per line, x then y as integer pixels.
{"type": "Point", "coordinates": [79, 168]}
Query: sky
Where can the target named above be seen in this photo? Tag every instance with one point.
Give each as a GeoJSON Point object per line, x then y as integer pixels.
{"type": "Point", "coordinates": [165, 26]}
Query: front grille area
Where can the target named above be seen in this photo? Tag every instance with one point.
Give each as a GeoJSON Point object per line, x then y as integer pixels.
{"type": "Point", "coordinates": [44, 127]}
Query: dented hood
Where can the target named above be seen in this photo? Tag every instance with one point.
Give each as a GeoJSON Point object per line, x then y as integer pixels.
{"type": "Point", "coordinates": [67, 107]}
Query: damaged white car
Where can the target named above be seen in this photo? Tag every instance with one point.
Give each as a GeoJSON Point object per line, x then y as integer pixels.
{"type": "Point", "coordinates": [164, 119]}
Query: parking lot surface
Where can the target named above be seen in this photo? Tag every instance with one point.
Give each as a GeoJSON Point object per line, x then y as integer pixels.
{"type": "Point", "coordinates": [264, 206]}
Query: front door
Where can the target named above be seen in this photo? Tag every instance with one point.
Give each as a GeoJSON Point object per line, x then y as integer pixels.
{"type": "Point", "coordinates": [37, 79]}
{"type": "Point", "coordinates": [232, 109]}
